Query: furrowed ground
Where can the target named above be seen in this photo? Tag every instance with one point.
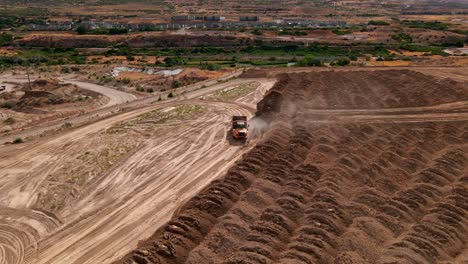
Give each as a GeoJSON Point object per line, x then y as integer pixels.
{"type": "Point", "coordinates": [357, 167]}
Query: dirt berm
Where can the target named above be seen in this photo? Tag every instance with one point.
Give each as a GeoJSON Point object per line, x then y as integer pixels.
{"type": "Point", "coordinates": [136, 41]}
{"type": "Point", "coordinates": [357, 167]}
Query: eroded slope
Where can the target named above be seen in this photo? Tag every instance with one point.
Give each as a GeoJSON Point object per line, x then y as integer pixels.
{"type": "Point", "coordinates": [327, 189]}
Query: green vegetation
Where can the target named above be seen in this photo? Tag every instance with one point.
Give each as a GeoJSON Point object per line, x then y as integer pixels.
{"type": "Point", "coordinates": [257, 32]}
{"type": "Point", "coordinates": [18, 141]}
{"type": "Point", "coordinates": [435, 25]}
{"type": "Point", "coordinates": [234, 93]}
{"type": "Point", "coordinates": [170, 95]}
{"type": "Point", "coordinates": [432, 50]}
{"type": "Point", "coordinates": [16, 18]}
{"type": "Point", "coordinates": [174, 61]}
{"type": "Point", "coordinates": [81, 30]}
{"type": "Point", "coordinates": [292, 33]}
{"type": "Point", "coordinates": [402, 37]}
{"type": "Point", "coordinates": [175, 84]}
{"type": "Point", "coordinates": [340, 32]}
{"type": "Point", "coordinates": [187, 111]}
{"type": "Point", "coordinates": [310, 61]}
{"type": "Point", "coordinates": [8, 105]}
{"type": "Point", "coordinates": [378, 23]}
{"type": "Point", "coordinates": [5, 39]}
{"type": "Point", "coordinates": [341, 62]}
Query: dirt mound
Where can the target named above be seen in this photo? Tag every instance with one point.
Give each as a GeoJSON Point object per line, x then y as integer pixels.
{"type": "Point", "coordinates": [46, 92]}
{"type": "Point", "coordinates": [334, 191]}
{"type": "Point", "coordinates": [367, 90]}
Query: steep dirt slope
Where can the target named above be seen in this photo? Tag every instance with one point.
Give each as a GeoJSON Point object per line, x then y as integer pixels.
{"type": "Point", "coordinates": [385, 184]}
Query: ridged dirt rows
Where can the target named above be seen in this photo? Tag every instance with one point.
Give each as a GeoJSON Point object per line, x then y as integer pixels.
{"type": "Point", "coordinates": [335, 191]}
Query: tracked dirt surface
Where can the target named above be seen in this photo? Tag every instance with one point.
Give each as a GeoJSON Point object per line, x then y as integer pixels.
{"type": "Point", "coordinates": [357, 167]}
{"type": "Point", "coordinates": [90, 194]}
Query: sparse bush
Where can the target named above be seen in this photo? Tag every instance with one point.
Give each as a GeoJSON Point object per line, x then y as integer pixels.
{"type": "Point", "coordinates": [150, 90]}
{"type": "Point", "coordinates": [175, 84]}
{"type": "Point", "coordinates": [341, 62]}
{"type": "Point", "coordinates": [67, 125]}
{"type": "Point", "coordinates": [65, 69]}
{"type": "Point", "coordinates": [81, 30]}
{"type": "Point", "coordinates": [18, 141]}
{"type": "Point", "coordinates": [378, 23]}
{"type": "Point", "coordinates": [310, 61]}
{"type": "Point", "coordinates": [171, 95]}
{"type": "Point", "coordinates": [8, 105]}
{"type": "Point", "coordinates": [9, 121]}
{"type": "Point", "coordinates": [257, 32]}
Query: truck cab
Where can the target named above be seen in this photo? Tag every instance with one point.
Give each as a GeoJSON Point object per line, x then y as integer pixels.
{"type": "Point", "coordinates": [239, 127]}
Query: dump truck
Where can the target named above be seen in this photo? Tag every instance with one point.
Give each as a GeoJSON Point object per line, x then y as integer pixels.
{"type": "Point", "coordinates": [239, 127]}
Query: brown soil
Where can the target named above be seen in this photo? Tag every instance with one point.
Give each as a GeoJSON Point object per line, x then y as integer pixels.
{"type": "Point", "coordinates": [357, 167]}
{"type": "Point", "coordinates": [50, 92]}
{"type": "Point", "coordinates": [47, 100]}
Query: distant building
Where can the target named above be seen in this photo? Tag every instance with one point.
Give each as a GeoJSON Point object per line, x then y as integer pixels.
{"type": "Point", "coordinates": [249, 18]}
{"type": "Point", "coordinates": [214, 18]}
{"type": "Point", "coordinates": [181, 18]}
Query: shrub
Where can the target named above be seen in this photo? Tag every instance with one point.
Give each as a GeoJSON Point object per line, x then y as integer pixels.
{"type": "Point", "coordinates": [343, 62]}
{"type": "Point", "coordinates": [150, 90]}
{"type": "Point", "coordinates": [65, 70]}
{"type": "Point", "coordinates": [171, 95]}
{"type": "Point", "coordinates": [18, 141]}
{"type": "Point", "coordinates": [81, 30]}
{"type": "Point", "coordinates": [9, 121]}
{"type": "Point", "coordinates": [257, 32]}
{"type": "Point", "coordinates": [8, 105]}
{"type": "Point", "coordinates": [175, 84]}
{"type": "Point", "coordinates": [378, 23]}
{"type": "Point", "coordinates": [310, 61]}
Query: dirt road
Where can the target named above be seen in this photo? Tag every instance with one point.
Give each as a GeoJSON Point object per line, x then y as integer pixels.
{"type": "Point", "coordinates": [187, 92]}
{"type": "Point", "coordinates": [103, 189]}
{"type": "Point", "coordinates": [115, 96]}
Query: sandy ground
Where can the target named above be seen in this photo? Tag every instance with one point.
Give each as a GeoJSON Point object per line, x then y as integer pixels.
{"type": "Point", "coordinates": [90, 194]}
{"type": "Point", "coordinates": [115, 96]}
{"type": "Point", "coordinates": [119, 184]}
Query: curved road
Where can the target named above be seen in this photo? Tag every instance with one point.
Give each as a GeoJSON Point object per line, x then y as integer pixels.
{"type": "Point", "coordinates": [115, 96]}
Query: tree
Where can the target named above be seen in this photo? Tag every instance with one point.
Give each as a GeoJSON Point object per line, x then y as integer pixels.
{"type": "Point", "coordinates": [310, 61]}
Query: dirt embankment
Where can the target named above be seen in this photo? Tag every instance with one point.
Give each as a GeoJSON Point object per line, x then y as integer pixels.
{"type": "Point", "coordinates": [136, 41]}
{"type": "Point", "coordinates": [336, 191]}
